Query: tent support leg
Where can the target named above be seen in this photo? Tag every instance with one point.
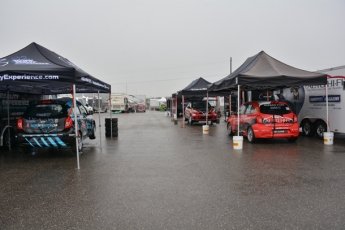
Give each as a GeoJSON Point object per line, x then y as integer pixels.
{"type": "Point", "coordinates": [76, 126]}
{"type": "Point", "coordinates": [99, 121]}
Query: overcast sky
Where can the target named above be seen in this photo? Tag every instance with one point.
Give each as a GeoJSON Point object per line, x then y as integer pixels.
{"type": "Point", "coordinates": [157, 47]}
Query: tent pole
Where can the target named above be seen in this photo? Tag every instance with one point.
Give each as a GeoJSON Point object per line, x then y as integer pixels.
{"type": "Point", "coordinates": [206, 108]}
{"type": "Point", "coordinates": [175, 116]}
{"type": "Point", "coordinates": [217, 105]}
{"type": "Point", "coordinates": [238, 110]}
{"type": "Point", "coordinates": [111, 120]}
{"type": "Point", "coordinates": [99, 122]}
{"type": "Point", "coordinates": [182, 123]}
{"type": "Point", "coordinates": [243, 97]}
{"type": "Point", "coordinates": [328, 129]}
{"type": "Point", "coordinates": [76, 125]}
{"type": "Point", "coordinates": [229, 106]}
{"type": "Point", "coordinates": [8, 118]}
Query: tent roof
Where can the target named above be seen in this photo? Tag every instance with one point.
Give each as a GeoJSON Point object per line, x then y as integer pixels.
{"type": "Point", "coordinates": [196, 89]}
{"type": "Point", "coordinates": [163, 99]}
{"type": "Point", "coordinates": [35, 69]}
{"type": "Point", "coordinates": [261, 71]}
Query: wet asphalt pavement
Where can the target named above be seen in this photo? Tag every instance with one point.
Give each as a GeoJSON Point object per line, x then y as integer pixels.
{"type": "Point", "coordinates": [157, 175]}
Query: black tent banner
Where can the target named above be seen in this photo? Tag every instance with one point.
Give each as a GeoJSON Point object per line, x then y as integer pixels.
{"type": "Point", "coordinates": [37, 70]}
{"type": "Point", "coordinates": [262, 72]}
{"type": "Point", "coordinates": [196, 90]}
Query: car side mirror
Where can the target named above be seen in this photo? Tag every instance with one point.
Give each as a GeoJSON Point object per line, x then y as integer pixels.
{"type": "Point", "coordinates": [90, 112]}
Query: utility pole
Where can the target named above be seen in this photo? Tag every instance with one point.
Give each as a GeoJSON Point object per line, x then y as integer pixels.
{"type": "Point", "coordinates": [230, 65]}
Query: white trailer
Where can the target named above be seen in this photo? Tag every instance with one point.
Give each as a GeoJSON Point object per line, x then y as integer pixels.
{"type": "Point", "coordinates": [309, 103]}
{"type": "Point", "coordinates": [100, 103]}
{"type": "Point", "coordinates": [154, 103]}
{"type": "Point", "coordinates": [121, 103]}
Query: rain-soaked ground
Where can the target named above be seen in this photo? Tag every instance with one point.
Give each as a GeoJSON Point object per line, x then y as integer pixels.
{"type": "Point", "coordinates": [157, 175]}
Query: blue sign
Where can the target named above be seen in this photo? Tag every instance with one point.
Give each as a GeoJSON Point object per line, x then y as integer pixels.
{"type": "Point", "coordinates": [331, 98]}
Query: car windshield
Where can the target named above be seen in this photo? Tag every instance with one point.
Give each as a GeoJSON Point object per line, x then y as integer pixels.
{"type": "Point", "coordinates": [200, 105]}
{"type": "Point", "coordinates": [275, 109]}
{"type": "Point", "coordinates": [46, 111]}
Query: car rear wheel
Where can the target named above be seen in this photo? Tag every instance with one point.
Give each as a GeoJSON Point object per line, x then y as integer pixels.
{"type": "Point", "coordinates": [250, 135]}
{"type": "Point", "coordinates": [229, 129]}
{"type": "Point", "coordinates": [307, 128]}
{"type": "Point", "coordinates": [80, 144]}
{"type": "Point", "coordinates": [320, 128]}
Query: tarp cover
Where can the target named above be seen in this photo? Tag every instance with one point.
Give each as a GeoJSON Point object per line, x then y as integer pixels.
{"type": "Point", "coordinates": [262, 72]}
{"type": "Point", "coordinates": [37, 70]}
{"type": "Point", "coordinates": [163, 99]}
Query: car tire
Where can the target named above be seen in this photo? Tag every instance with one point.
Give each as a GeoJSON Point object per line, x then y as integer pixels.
{"type": "Point", "coordinates": [307, 128]}
{"type": "Point", "coordinates": [292, 139]}
{"type": "Point", "coordinates": [80, 144]}
{"type": "Point", "coordinates": [250, 135]}
{"type": "Point", "coordinates": [108, 120]}
{"type": "Point", "coordinates": [108, 125]}
{"type": "Point", "coordinates": [108, 134]}
{"type": "Point", "coordinates": [113, 129]}
{"type": "Point", "coordinates": [320, 128]}
{"type": "Point", "coordinates": [229, 129]}
{"type": "Point", "coordinates": [93, 134]}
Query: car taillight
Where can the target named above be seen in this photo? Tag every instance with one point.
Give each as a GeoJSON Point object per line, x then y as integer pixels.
{"type": "Point", "coordinates": [20, 124]}
{"type": "Point", "coordinates": [68, 122]}
{"type": "Point", "coordinates": [295, 119]}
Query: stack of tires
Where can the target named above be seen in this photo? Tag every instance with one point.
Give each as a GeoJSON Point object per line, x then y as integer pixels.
{"type": "Point", "coordinates": [111, 128]}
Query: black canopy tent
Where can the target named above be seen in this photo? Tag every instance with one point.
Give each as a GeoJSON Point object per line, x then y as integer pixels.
{"type": "Point", "coordinates": [196, 90]}
{"type": "Point", "coordinates": [262, 72]}
{"type": "Point", "coordinates": [37, 70]}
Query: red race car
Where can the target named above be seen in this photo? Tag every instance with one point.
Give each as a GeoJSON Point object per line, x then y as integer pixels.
{"type": "Point", "coordinates": [196, 112]}
{"type": "Point", "coordinates": [265, 120]}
